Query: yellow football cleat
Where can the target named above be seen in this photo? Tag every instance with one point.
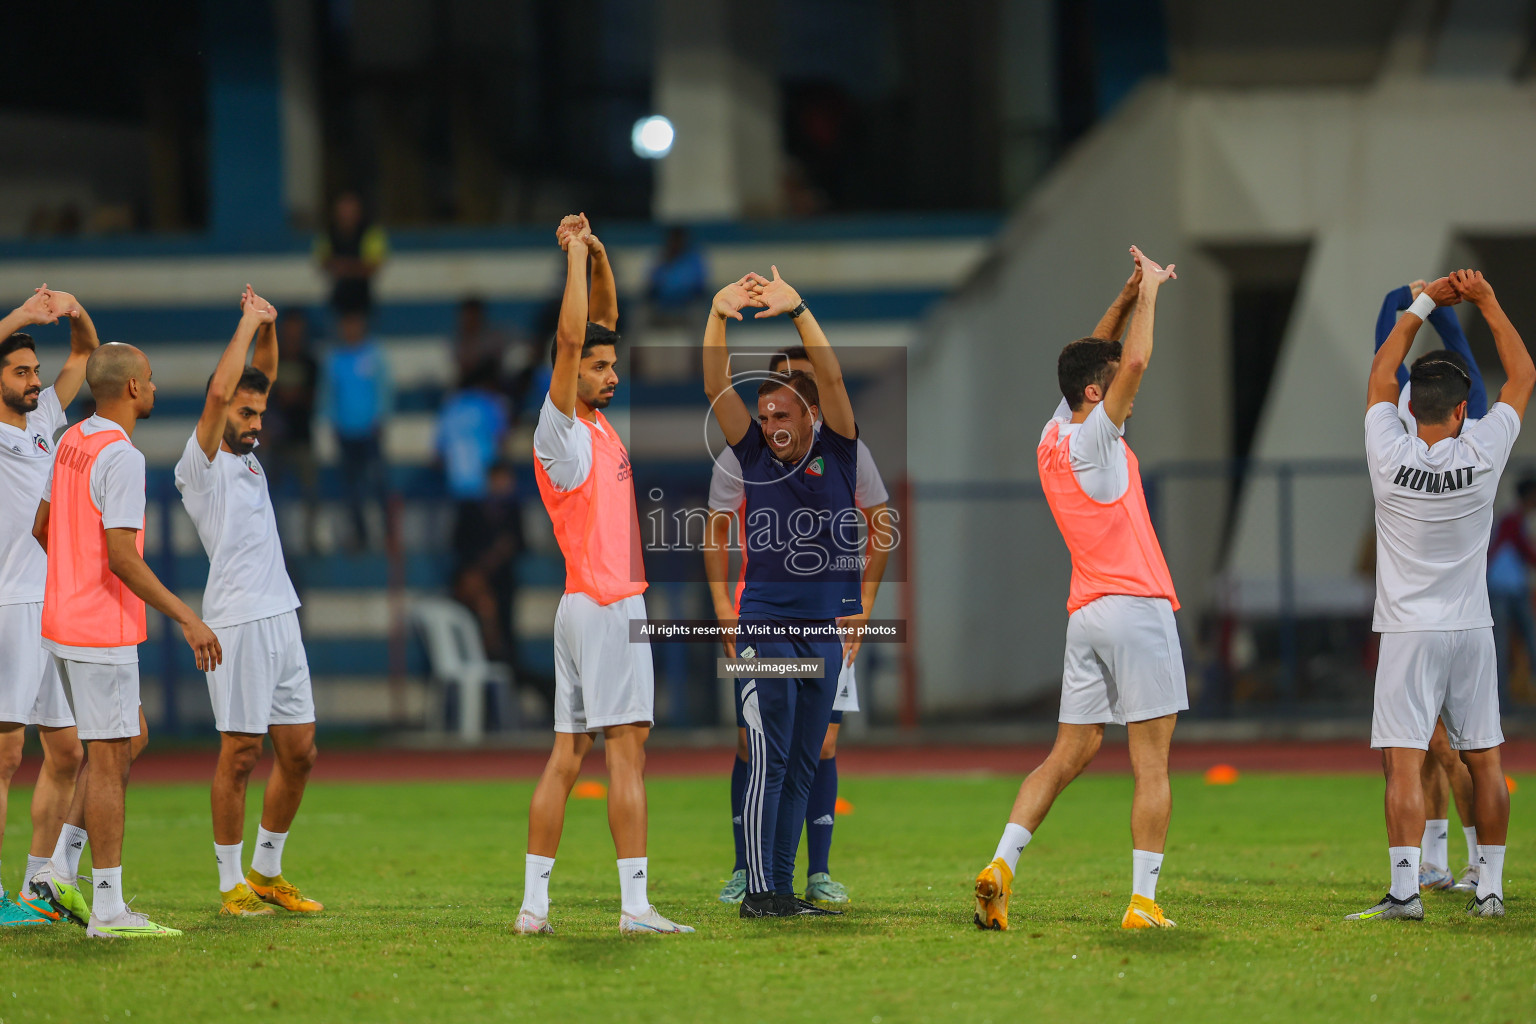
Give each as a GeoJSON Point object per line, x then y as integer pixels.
{"type": "Point", "coordinates": [242, 902]}
{"type": "Point", "coordinates": [993, 887]}
{"type": "Point", "coordinates": [280, 892]}
{"type": "Point", "coordinates": [1145, 913]}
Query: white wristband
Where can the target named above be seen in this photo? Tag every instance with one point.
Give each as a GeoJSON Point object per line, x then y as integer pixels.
{"type": "Point", "coordinates": [1422, 306]}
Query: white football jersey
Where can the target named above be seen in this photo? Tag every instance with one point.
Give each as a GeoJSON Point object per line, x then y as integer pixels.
{"type": "Point", "coordinates": [1434, 514]}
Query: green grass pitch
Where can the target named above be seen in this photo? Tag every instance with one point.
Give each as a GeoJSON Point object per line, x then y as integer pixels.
{"type": "Point", "coordinates": [423, 882]}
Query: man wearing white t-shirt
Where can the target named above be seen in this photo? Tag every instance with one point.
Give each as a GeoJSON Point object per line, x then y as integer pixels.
{"type": "Point", "coordinates": [31, 693]}
{"type": "Point", "coordinates": [727, 497]}
{"type": "Point", "coordinates": [263, 686]}
{"type": "Point", "coordinates": [1434, 509]}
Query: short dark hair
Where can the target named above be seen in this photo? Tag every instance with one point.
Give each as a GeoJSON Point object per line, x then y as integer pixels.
{"type": "Point", "coordinates": [251, 379]}
{"type": "Point", "coordinates": [597, 334]}
{"type": "Point", "coordinates": [14, 342]}
{"type": "Point", "coordinates": [787, 354]}
{"type": "Point", "coordinates": [1444, 354]}
{"type": "Point", "coordinates": [798, 381]}
{"type": "Point", "coordinates": [1439, 386]}
{"type": "Point", "coordinates": [1086, 361]}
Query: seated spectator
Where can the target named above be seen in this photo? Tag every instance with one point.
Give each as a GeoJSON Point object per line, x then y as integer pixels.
{"type": "Point", "coordinates": [487, 540]}
{"type": "Point", "coordinates": [357, 397]}
{"type": "Point", "coordinates": [679, 280]}
{"type": "Point", "coordinates": [350, 251]}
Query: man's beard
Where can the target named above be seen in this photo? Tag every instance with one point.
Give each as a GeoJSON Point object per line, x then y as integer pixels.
{"type": "Point", "coordinates": [601, 400]}
{"type": "Point", "coordinates": [239, 444]}
{"type": "Point", "coordinates": [23, 401]}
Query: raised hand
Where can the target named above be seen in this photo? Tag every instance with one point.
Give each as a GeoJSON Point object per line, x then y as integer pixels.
{"type": "Point", "coordinates": [1416, 288]}
{"type": "Point", "coordinates": [572, 226]}
{"type": "Point", "coordinates": [734, 297]}
{"type": "Point", "coordinates": [776, 296]}
{"type": "Point", "coordinates": [258, 306]}
{"type": "Point", "coordinates": [61, 303]}
{"type": "Point", "coordinates": [1151, 272]}
{"type": "Point", "coordinates": [39, 307]}
{"type": "Point", "coordinates": [1470, 285]}
{"type": "Point", "coordinates": [1443, 291]}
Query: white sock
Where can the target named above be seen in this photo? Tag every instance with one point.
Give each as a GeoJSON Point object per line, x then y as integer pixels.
{"type": "Point", "coordinates": [267, 858]}
{"type": "Point", "coordinates": [228, 858]}
{"type": "Point", "coordinates": [536, 872]}
{"type": "Point", "coordinates": [1145, 867]}
{"type": "Point", "coordinates": [1434, 847]}
{"type": "Point", "coordinates": [1471, 833]}
{"type": "Point", "coordinates": [1015, 838]}
{"type": "Point", "coordinates": [1405, 871]}
{"type": "Point", "coordinates": [34, 865]}
{"type": "Point", "coordinates": [632, 886]}
{"type": "Point", "coordinates": [67, 851]}
{"type": "Point", "coordinates": [1490, 871]}
{"type": "Point", "coordinates": [107, 885]}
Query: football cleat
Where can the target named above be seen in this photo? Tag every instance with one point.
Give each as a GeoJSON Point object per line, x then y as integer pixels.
{"type": "Point", "coordinates": [650, 923]}
{"type": "Point", "coordinates": [130, 924]}
{"type": "Point", "coordinates": [794, 906]}
{"type": "Point", "coordinates": [242, 902]}
{"type": "Point", "coordinates": [1410, 909]}
{"type": "Point", "coordinates": [1491, 905]}
{"type": "Point", "coordinates": [1433, 877]}
{"type": "Point", "coordinates": [764, 904]}
{"type": "Point", "coordinates": [37, 905]}
{"type": "Point", "coordinates": [820, 888]}
{"type": "Point", "coordinates": [529, 923]}
{"type": "Point", "coordinates": [1468, 880]}
{"type": "Point", "coordinates": [735, 888]}
{"type": "Point", "coordinates": [280, 892]}
{"type": "Point", "coordinates": [62, 894]}
{"type": "Point", "coordinates": [993, 887]}
{"type": "Point", "coordinates": [1145, 913]}
{"type": "Point", "coordinates": [19, 915]}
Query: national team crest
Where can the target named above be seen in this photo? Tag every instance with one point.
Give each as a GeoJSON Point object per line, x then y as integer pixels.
{"type": "Point", "coordinates": [41, 443]}
{"type": "Point", "coordinates": [816, 468]}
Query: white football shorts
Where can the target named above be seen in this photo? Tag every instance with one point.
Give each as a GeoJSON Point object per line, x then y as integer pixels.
{"type": "Point", "coordinates": [104, 698]}
{"type": "Point", "coordinates": [1123, 662]}
{"type": "Point", "coordinates": [1452, 675]}
{"type": "Point", "coordinates": [264, 677]}
{"type": "Point", "coordinates": [601, 679]}
{"type": "Point", "coordinates": [31, 691]}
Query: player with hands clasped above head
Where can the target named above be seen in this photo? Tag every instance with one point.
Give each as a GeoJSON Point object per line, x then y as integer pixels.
{"type": "Point", "coordinates": [603, 679]}
{"type": "Point", "coordinates": [792, 472]}
{"type": "Point", "coordinates": [262, 686]}
{"type": "Point", "coordinates": [31, 692]}
{"type": "Point", "coordinates": [1434, 492]}
{"type": "Point", "coordinates": [1123, 663]}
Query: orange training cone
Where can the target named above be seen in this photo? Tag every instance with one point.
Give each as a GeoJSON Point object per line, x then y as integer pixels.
{"type": "Point", "coordinates": [1220, 775]}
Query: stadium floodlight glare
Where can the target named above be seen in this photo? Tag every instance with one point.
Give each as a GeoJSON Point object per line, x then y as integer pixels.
{"type": "Point", "coordinates": [652, 137]}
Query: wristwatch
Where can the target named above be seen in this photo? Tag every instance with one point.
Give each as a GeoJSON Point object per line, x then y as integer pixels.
{"type": "Point", "coordinates": [795, 313]}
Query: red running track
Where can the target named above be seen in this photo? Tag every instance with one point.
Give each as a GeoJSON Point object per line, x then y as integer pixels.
{"type": "Point", "coordinates": [353, 765]}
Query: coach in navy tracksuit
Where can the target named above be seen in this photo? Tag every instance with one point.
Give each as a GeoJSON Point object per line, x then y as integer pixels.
{"type": "Point", "coordinates": [800, 537]}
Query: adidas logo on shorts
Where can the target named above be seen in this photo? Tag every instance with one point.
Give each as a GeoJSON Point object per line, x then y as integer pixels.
{"type": "Point", "coordinates": [1404, 863]}
{"type": "Point", "coordinates": [825, 819]}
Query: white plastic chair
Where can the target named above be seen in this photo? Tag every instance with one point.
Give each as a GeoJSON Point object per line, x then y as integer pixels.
{"type": "Point", "coordinates": [456, 655]}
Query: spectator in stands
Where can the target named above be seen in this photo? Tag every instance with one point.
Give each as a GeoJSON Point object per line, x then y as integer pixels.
{"type": "Point", "coordinates": [479, 342]}
{"type": "Point", "coordinates": [487, 540]}
{"type": "Point", "coordinates": [679, 280]}
{"type": "Point", "coordinates": [290, 412]}
{"type": "Point", "coordinates": [470, 429]}
{"type": "Point", "coordinates": [357, 397]}
{"type": "Point", "coordinates": [1510, 558]}
{"type": "Point", "coordinates": [351, 251]}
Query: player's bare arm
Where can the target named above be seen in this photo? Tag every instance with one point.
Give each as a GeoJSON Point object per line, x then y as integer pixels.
{"type": "Point", "coordinates": [1513, 355]}
{"type": "Point", "coordinates": [603, 304]}
{"type": "Point", "coordinates": [83, 340]}
{"type": "Point", "coordinates": [40, 524]}
{"type": "Point", "coordinates": [1138, 344]}
{"type": "Point", "coordinates": [125, 562]}
{"type": "Point", "coordinates": [571, 333]}
{"type": "Point", "coordinates": [880, 539]}
{"type": "Point", "coordinates": [1382, 386]}
{"type": "Point", "coordinates": [226, 376]}
{"type": "Point", "coordinates": [264, 349]}
{"type": "Point", "coordinates": [717, 565]}
{"type": "Point", "coordinates": [1112, 324]}
{"type": "Point", "coordinates": [730, 411]}
{"type": "Point", "coordinates": [779, 296]}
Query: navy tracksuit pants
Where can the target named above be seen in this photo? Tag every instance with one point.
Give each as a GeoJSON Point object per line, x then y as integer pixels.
{"type": "Point", "coordinates": [786, 721]}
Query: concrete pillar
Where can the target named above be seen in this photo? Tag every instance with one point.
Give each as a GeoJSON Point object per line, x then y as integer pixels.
{"type": "Point", "coordinates": [245, 142]}
{"type": "Point", "coordinates": [299, 90]}
{"type": "Point", "coordinates": [715, 82]}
